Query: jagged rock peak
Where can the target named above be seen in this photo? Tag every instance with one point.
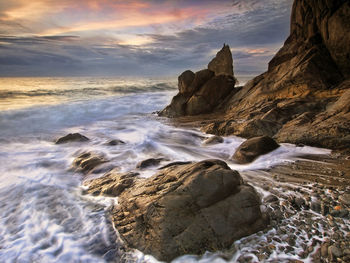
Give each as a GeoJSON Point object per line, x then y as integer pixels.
{"type": "Point", "coordinates": [222, 64]}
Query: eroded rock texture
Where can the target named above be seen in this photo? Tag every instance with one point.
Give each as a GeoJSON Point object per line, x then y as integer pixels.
{"type": "Point", "coordinates": [298, 99]}
{"type": "Point", "coordinates": [203, 91]}
{"type": "Point", "coordinates": [184, 209]}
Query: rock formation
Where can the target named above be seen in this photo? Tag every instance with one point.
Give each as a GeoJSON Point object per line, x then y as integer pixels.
{"type": "Point", "coordinates": [303, 96]}
{"type": "Point", "coordinates": [184, 209]}
{"type": "Point", "coordinates": [203, 91]}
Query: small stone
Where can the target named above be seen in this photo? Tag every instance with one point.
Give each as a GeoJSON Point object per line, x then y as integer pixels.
{"type": "Point", "coordinates": [324, 250]}
{"type": "Point", "coordinates": [345, 199]}
{"type": "Point", "coordinates": [72, 137]}
{"type": "Point", "coordinates": [334, 252]}
{"type": "Point", "coordinates": [213, 140]}
{"type": "Point", "coordinates": [115, 142]}
{"type": "Point", "coordinates": [316, 206]}
{"type": "Point", "coordinates": [149, 162]}
{"type": "Point", "coordinates": [271, 199]}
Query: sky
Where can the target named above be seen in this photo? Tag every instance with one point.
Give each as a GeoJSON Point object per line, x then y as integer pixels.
{"type": "Point", "coordinates": [137, 37]}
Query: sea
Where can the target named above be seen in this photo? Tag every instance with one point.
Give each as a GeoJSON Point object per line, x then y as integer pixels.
{"type": "Point", "coordinates": [44, 215]}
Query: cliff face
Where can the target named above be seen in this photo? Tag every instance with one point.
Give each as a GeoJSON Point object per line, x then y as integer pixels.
{"type": "Point", "coordinates": [303, 96]}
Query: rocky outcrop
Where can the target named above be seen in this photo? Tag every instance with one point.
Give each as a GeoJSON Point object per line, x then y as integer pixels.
{"type": "Point", "coordinates": [252, 148]}
{"type": "Point", "coordinates": [222, 64]}
{"type": "Point", "coordinates": [203, 91]}
{"type": "Point", "coordinates": [184, 209]}
{"type": "Point", "coordinates": [72, 137]}
{"type": "Point", "coordinates": [294, 100]}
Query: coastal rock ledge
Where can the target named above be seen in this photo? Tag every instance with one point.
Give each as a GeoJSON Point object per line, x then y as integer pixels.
{"type": "Point", "coordinates": [185, 209]}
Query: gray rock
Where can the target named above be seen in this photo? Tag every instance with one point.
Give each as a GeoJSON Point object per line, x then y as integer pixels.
{"type": "Point", "coordinates": [72, 137]}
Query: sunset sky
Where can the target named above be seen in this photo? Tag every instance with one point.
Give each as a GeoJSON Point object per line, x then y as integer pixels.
{"type": "Point", "coordinates": [137, 37]}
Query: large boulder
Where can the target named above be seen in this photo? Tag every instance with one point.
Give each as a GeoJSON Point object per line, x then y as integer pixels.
{"type": "Point", "coordinates": [222, 64]}
{"type": "Point", "coordinates": [188, 209]}
{"type": "Point", "coordinates": [252, 148]}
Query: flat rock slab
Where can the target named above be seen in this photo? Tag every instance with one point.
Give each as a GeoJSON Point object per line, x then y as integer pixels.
{"type": "Point", "coordinates": [187, 209]}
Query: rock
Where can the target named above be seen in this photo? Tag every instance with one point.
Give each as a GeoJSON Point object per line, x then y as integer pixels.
{"type": "Point", "coordinates": [188, 209]}
{"type": "Point", "coordinates": [271, 199]}
{"type": "Point", "coordinates": [252, 148]}
{"type": "Point", "coordinates": [204, 90]}
{"type": "Point", "coordinates": [185, 80]}
{"type": "Point", "coordinates": [345, 199]}
{"type": "Point", "coordinates": [213, 140]}
{"type": "Point", "coordinates": [149, 162]}
{"type": "Point", "coordinates": [334, 252]}
{"type": "Point", "coordinates": [303, 97]}
{"type": "Point", "coordinates": [200, 78]}
{"type": "Point", "coordinates": [222, 64]}
{"type": "Point", "coordinates": [72, 137]}
{"type": "Point", "coordinates": [88, 161]}
{"type": "Point", "coordinates": [115, 142]}
{"type": "Point", "coordinates": [111, 184]}
{"type": "Point", "coordinates": [210, 94]}
{"type": "Point", "coordinates": [316, 206]}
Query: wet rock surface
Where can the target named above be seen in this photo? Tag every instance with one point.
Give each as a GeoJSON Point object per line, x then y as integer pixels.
{"type": "Point", "coordinates": [88, 161]}
{"type": "Point", "coordinates": [253, 148]}
{"type": "Point", "coordinates": [184, 209]}
{"type": "Point", "coordinates": [72, 137]}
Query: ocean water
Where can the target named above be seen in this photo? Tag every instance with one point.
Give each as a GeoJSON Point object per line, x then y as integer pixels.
{"type": "Point", "coordinates": [44, 217]}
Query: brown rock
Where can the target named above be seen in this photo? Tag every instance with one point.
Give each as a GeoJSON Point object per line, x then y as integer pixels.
{"type": "Point", "coordinates": [185, 80]}
{"type": "Point", "coordinates": [222, 64]}
{"type": "Point", "coordinates": [111, 184]}
{"type": "Point", "coordinates": [303, 98]}
{"type": "Point", "coordinates": [252, 148]}
{"type": "Point", "coordinates": [88, 161]}
{"type": "Point", "coordinates": [188, 209]}
{"type": "Point", "coordinates": [72, 137]}
{"type": "Point", "coordinates": [200, 78]}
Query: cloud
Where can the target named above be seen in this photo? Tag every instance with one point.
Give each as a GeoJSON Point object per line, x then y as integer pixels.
{"type": "Point", "coordinates": [161, 38]}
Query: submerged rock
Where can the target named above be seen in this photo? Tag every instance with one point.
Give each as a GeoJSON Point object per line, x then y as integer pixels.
{"type": "Point", "coordinates": [88, 161]}
{"type": "Point", "coordinates": [149, 162]}
{"type": "Point", "coordinates": [72, 137]}
{"type": "Point", "coordinates": [115, 142]}
{"type": "Point", "coordinates": [252, 148]}
{"type": "Point", "coordinates": [213, 140]}
{"type": "Point", "coordinates": [188, 209]}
